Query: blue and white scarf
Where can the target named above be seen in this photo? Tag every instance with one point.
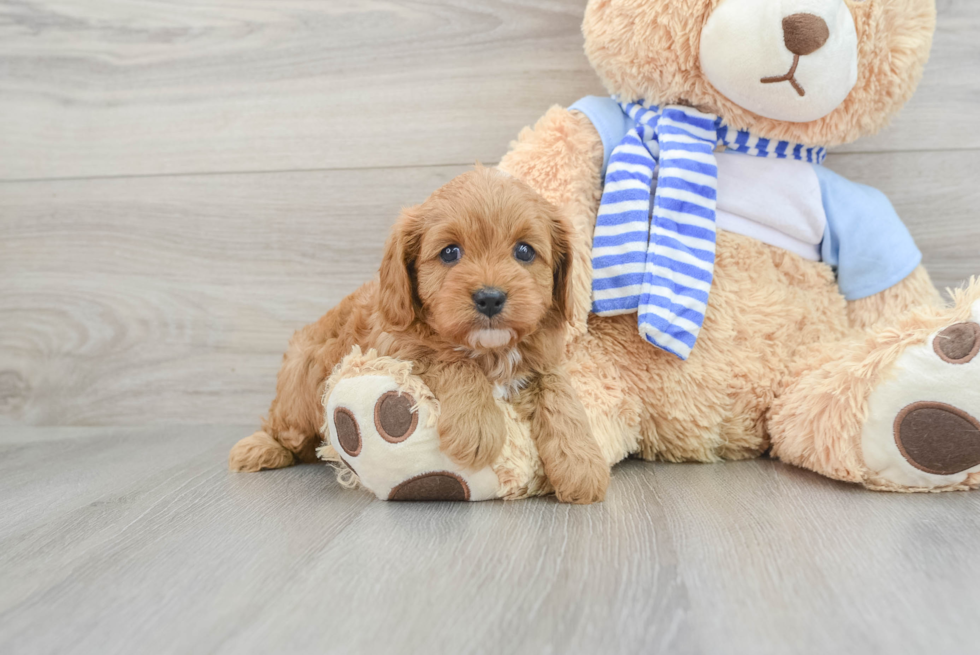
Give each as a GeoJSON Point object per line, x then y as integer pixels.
{"type": "Point", "coordinates": [660, 264]}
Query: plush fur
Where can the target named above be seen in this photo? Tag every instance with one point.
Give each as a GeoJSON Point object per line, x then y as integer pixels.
{"type": "Point", "coordinates": [650, 49]}
{"type": "Point", "coordinates": [783, 364]}
{"type": "Point", "coordinates": [423, 309]}
{"type": "Point", "coordinates": [776, 322]}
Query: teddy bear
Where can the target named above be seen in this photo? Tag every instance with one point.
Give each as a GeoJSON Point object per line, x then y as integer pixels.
{"type": "Point", "coordinates": [732, 298]}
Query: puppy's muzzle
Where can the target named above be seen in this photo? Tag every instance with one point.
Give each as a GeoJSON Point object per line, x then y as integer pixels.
{"type": "Point", "coordinates": [489, 301]}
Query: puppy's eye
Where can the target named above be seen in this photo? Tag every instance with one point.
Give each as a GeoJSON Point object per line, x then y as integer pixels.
{"type": "Point", "coordinates": [524, 253]}
{"type": "Point", "coordinates": [451, 254]}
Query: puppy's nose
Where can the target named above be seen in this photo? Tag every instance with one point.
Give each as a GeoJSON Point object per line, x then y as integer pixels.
{"type": "Point", "coordinates": [805, 33]}
{"type": "Point", "coordinates": [489, 302]}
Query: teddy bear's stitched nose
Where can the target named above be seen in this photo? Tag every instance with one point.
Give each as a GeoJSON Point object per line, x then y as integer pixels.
{"type": "Point", "coordinates": [805, 33]}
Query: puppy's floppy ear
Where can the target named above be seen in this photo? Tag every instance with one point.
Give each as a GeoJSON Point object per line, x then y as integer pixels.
{"type": "Point", "coordinates": [561, 248]}
{"type": "Point", "coordinates": [398, 299]}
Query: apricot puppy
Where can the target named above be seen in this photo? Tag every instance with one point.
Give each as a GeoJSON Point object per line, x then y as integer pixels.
{"type": "Point", "coordinates": [473, 289]}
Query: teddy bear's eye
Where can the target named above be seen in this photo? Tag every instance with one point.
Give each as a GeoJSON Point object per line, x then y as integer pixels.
{"type": "Point", "coordinates": [524, 253]}
{"type": "Point", "coordinates": [451, 254]}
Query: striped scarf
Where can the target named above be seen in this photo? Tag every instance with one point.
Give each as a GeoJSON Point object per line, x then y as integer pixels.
{"type": "Point", "coordinates": [661, 264]}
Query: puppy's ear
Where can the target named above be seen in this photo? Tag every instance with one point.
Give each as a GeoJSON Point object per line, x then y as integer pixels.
{"type": "Point", "coordinates": [561, 236]}
{"type": "Point", "coordinates": [398, 299]}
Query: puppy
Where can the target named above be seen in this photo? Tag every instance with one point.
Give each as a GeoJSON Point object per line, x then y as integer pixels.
{"type": "Point", "coordinates": [474, 290]}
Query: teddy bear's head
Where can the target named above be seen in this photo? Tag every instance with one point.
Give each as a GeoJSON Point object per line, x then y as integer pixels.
{"type": "Point", "coordinates": [818, 72]}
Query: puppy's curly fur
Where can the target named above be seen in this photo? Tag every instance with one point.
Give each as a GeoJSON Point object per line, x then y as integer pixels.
{"type": "Point", "coordinates": [483, 230]}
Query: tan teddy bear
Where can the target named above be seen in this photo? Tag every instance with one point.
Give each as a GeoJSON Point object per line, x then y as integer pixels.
{"type": "Point", "coordinates": [732, 297]}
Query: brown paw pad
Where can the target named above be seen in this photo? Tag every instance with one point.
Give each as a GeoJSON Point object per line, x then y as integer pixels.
{"type": "Point", "coordinates": [938, 438]}
{"type": "Point", "coordinates": [348, 432]}
{"type": "Point", "coordinates": [394, 418]}
{"type": "Point", "coordinates": [958, 344]}
{"type": "Point", "coordinates": [432, 486]}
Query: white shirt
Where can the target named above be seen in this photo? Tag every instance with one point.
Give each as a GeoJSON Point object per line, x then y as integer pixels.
{"type": "Point", "coordinates": [777, 201]}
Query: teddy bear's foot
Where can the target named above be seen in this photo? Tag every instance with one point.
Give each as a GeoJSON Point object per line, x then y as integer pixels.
{"type": "Point", "coordinates": [383, 427]}
{"type": "Point", "coordinates": [923, 425]}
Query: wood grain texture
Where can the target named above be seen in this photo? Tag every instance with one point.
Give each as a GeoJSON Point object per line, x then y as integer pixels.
{"type": "Point", "coordinates": [936, 196]}
{"type": "Point", "coordinates": [170, 299]}
{"type": "Point", "coordinates": [779, 560]}
{"type": "Point", "coordinates": [226, 171]}
{"type": "Point", "coordinates": [123, 540]}
{"type": "Point", "coordinates": [141, 87]}
{"type": "Point", "coordinates": [951, 84]}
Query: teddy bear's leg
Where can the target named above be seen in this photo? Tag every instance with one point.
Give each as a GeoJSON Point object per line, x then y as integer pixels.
{"type": "Point", "coordinates": [893, 408]}
{"type": "Point", "coordinates": [381, 423]}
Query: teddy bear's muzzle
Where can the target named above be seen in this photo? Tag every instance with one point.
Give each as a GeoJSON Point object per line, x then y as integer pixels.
{"type": "Point", "coordinates": [803, 35]}
{"type": "Point", "coordinates": [814, 42]}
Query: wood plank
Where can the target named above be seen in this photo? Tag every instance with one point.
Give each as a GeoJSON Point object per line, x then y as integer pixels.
{"type": "Point", "coordinates": [139, 540]}
{"type": "Point", "coordinates": [137, 87]}
{"type": "Point", "coordinates": [495, 578]}
{"type": "Point", "coordinates": [936, 197]}
{"type": "Point", "coordinates": [284, 561]}
{"type": "Point", "coordinates": [780, 560]}
{"type": "Point", "coordinates": [121, 529]}
{"type": "Point", "coordinates": [145, 87]}
{"type": "Point", "coordinates": [950, 85]}
{"type": "Point", "coordinates": [170, 300]}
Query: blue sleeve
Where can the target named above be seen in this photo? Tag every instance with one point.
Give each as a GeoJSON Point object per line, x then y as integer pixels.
{"type": "Point", "coordinates": [609, 120]}
{"type": "Point", "coordinates": [865, 241]}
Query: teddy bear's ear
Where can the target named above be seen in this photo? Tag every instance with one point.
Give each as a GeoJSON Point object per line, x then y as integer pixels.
{"type": "Point", "coordinates": [398, 298]}
{"type": "Point", "coordinates": [561, 237]}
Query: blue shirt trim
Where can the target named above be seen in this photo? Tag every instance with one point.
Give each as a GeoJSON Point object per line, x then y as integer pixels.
{"type": "Point", "coordinates": [866, 242]}
{"type": "Point", "coordinates": [609, 120]}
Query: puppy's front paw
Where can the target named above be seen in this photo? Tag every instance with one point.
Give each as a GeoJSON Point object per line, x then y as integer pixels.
{"type": "Point", "coordinates": [474, 439]}
{"type": "Point", "coordinates": [579, 480]}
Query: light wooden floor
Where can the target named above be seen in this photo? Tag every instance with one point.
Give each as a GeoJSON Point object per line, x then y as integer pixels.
{"type": "Point", "coordinates": [183, 184]}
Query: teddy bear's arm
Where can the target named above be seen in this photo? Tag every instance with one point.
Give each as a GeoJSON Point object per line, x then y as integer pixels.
{"type": "Point", "coordinates": [561, 158]}
{"type": "Point", "coordinates": [890, 305]}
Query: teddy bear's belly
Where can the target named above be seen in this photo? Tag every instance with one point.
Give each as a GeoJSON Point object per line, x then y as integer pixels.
{"type": "Point", "coordinates": [766, 305]}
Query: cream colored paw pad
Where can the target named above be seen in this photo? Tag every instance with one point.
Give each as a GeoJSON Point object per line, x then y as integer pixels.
{"type": "Point", "coordinates": [923, 428]}
{"type": "Point", "coordinates": [389, 439]}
